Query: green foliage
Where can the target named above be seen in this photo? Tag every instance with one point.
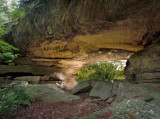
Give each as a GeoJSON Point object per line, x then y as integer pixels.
{"type": "Point", "coordinates": [5, 47]}
{"type": "Point", "coordinates": [7, 55]}
{"type": "Point", "coordinates": [10, 13]}
{"type": "Point", "coordinates": [102, 71]}
{"type": "Point", "coordinates": [2, 32]}
{"type": "Point", "coordinates": [14, 97]}
{"type": "Point", "coordinates": [15, 13]}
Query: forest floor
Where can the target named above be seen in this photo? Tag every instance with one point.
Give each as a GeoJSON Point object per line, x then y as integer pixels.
{"type": "Point", "coordinates": [60, 110]}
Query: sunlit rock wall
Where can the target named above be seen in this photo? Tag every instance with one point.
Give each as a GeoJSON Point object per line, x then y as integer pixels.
{"type": "Point", "coordinates": [76, 28]}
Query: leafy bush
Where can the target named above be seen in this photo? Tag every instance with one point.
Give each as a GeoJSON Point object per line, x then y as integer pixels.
{"type": "Point", "coordinates": [2, 32]}
{"type": "Point", "coordinates": [102, 71]}
{"type": "Point", "coordinates": [15, 13]}
{"type": "Point", "coordinates": [15, 97]}
{"type": "Point", "coordinates": [7, 55]}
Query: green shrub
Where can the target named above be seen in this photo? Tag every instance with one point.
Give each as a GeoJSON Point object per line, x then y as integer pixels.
{"type": "Point", "coordinates": [102, 71]}
{"type": "Point", "coordinates": [15, 97]}
{"type": "Point", "coordinates": [7, 55]}
{"type": "Point", "coordinates": [2, 31]}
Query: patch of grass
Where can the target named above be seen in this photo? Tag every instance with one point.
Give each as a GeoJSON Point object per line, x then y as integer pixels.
{"type": "Point", "coordinates": [14, 97]}
{"type": "Point", "coordinates": [102, 71]}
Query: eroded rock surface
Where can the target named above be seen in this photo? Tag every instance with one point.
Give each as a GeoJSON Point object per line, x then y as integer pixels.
{"type": "Point", "coordinates": [67, 29]}
{"type": "Point", "coordinates": [75, 33]}
{"type": "Point", "coordinates": [146, 92]}
{"type": "Point", "coordinates": [81, 87]}
{"type": "Point", "coordinates": [96, 89]}
{"type": "Point", "coordinates": [18, 83]}
{"type": "Point", "coordinates": [143, 66]}
{"type": "Point", "coordinates": [30, 79]}
{"type": "Point", "coordinates": [23, 70]}
{"type": "Point", "coordinates": [135, 109]}
{"type": "Point", "coordinates": [127, 109]}
{"type": "Point", "coordinates": [51, 93]}
{"type": "Point", "coordinates": [103, 90]}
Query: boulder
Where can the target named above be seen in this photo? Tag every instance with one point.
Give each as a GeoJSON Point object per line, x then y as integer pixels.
{"type": "Point", "coordinates": [81, 87]}
{"type": "Point", "coordinates": [95, 82]}
{"type": "Point", "coordinates": [29, 79]}
{"type": "Point", "coordinates": [98, 88]}
{"type": "Point", "coordinates": [143, 66]}
{"type": "Point", "coordinates": [134, 109]}
{"type": "Point", "coordinates": [18, 83]}
{"type": "Point", "coordinates": [103, 90]}
{"type": "Point", "coordinates": [51, 93]}
{"type": "Point", "coordinates": [127, 109]}
{"type": "Point", "coordinates": [153, 77]}
{"type": "Point", "coordinates": [145, 92]}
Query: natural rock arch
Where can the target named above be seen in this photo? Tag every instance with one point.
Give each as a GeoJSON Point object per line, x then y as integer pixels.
{"type": "Point", "coordinates": [61, 33]}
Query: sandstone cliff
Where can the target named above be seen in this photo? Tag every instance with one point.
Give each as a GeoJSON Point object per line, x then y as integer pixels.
{"type": "Point", "coordinates": [69, 28]}
{"type": "Point", "coordinates": [76, 33]}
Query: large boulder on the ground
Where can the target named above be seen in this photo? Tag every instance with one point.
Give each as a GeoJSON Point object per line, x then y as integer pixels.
{"type": "Point", "coordinates": [96, 88]}
{"type": "Point", "coordinates": [143, 66]}
{"type": "Point", "coordinates": [103, 90]}
{"type": "Point", "coordinates": [29, 79]}
{"type": "Point", "coordinates": [145, 92]}
{"type": "Point", "coordinates": [81, 87]}
{"type": "Point", "coordinates": [51, 93]}
{"type": "Point", "coordinates": [127, 109]}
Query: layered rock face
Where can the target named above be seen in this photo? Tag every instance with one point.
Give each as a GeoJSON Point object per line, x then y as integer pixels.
{"type": "Point", "coordinates": [71, 34]}
{"type": "Point", "coordinates": [143, 66]}
{"type": "Point", "coordinates": [75, 28]}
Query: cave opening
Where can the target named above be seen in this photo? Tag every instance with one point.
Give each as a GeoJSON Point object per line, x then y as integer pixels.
{"type": "Point", "coordinates": [106, 71]}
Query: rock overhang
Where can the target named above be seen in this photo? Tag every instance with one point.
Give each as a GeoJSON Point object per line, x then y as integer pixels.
{"type": "Point", "coordinates": [82, 32]}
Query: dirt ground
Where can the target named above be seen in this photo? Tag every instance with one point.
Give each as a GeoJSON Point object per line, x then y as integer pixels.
{"type": "Point", "coordinates": [60, 110]}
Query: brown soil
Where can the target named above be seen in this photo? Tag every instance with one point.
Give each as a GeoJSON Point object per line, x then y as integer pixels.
{"type": "Point", "coordinates": [60, 110]}
{"type": "Point", "coordinates": [106, 115]}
